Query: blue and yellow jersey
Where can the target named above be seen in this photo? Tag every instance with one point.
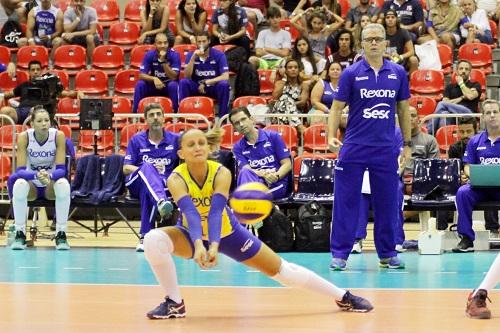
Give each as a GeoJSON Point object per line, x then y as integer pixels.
{"type": "Point", "coordinates": [202, 197]}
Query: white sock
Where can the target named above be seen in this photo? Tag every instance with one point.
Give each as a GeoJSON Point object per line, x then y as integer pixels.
{"type": "Point", "coordinates": [20, 203]}
{"type": "Point", "coordinates": [492, 277]}
{"type": "Point", "coordinates": [63, 199]}
{"type": "Point", "coordinates": [158, 249]}
{"type": "Point", "coordinates": [295, 276]}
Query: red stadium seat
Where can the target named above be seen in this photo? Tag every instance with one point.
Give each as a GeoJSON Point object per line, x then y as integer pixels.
{"type": "Point", "coordinates": [5, 169]}
{"type": "Point", "coordinates": [127, 132]}
{"type": "Point", "coordinates": [7, 83]}
{"type": "Point", "coordinates": [316, 138]}
{"type": "Point", "coordinates": [68, 105]}
{"type": "Point", "coordinates": [494, 32]}
{"type": "Point", "coordinates": [62, 75]}
{"type": "Point", "coordinates": [210, 6]}
{"type": "Point", "coordinates": [479, 55]}
{"type": "Point", "coordinates": [424, 105]}
{"type": "Point", "coordinates": [345, 5]}
{"type": "Point", "coordinates": [8, 135]}
{"type": "Point", "coordinates": [28, 53]}
{"type": "Point", "coordinates": [230, 137]}
{"type": "Point", "coordinates": [183, 50]}
{"type": "Point", "coordinates": [288, 134]}
{"type": "Point", "coordinates": [248, 100]}
{"type": "Point", "coordinates": [71, 58]}
{"type": "Point", "coordinates": [200, 105]}
{"type": "Point", "coordinates": [286, 25]}
{"type": "Point", "coordinates": [478, 76]}
{"type": "Point", "coordinates": [266, 85]}
{"type": "Point", "coordinates": [133, 11]}
{"type": "Point", "coordinates": [66, 130]}
{"type": "Point", "coordinates": [124, 34]}
{"type": "Point", "coordinates": [165, 102]}
{"type": "Point", "coordinates": [121, 105]}
{"type": "Point", "coordinates": [4, 55]}
{"type": "Point", "coordinates": [179, 127]}
{"type": "Point", "coordinates": [251, 32]}
{"type": "Point", "coordinates": [137, 54]}
{"type": "Point", "coordinates": [108, 12]}
{"type": "Point", "coordinates": [446, 136]}
{"type": "Point", "coordinates": [105, 140]}
{"type": "Point", "coordinates": [109, 58]}
{"type": "Point", "coordinates": [92, 81]}
{"type": "Point", "coordinates": [446, 57]}
{"type": "Point", "coordinates": [125, 81]}
{"type": "Point", "coordinates": [173, 9]}
{"type": "Point", "coordinates": [62, 4]}
{"type": "Point", "coordinates": [427, 82]}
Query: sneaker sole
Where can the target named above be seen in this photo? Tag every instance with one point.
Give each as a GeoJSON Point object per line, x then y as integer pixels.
{"type": "Point", "coordinates": [337, 268]}
{"type": "Point", "coordinates": [463, 250]}
{"type": "Point", "coordinates": [391, 267]}
{"type": "Point", "coordinates": [62, 248]}
{"type": "Point", "coordinates": [17, 247]}
{"type": "Point", "coordinates": [171, 316]}
{"type": "Point", "coordinates": [484, 316]}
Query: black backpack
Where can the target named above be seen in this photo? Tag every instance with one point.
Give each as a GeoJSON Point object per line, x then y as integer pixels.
{"type": "Point", "coordinates": [10, 33]}
{"type": "Point", "coordinates": [247, 78]}
{"type": "Point", "coordinates": [312, 228]}
{"type": "Point", "coordinates": [277, 232]}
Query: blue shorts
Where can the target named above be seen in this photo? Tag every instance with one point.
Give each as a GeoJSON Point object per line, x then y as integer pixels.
{"type": "Point", "coordinates": [240, 245]}
{"type": "Point", "coordinates": [22, 113]}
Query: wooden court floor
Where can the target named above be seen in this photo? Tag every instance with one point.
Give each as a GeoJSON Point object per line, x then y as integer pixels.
{"type": "Point", "coordinates": [121, 308]}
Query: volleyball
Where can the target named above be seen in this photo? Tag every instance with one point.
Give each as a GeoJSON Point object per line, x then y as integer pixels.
{"type": "Point", "coordinates": [251, 202]}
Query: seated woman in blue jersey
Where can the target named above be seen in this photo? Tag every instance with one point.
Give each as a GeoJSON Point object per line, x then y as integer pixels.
{"type": "Point", "coordinates": [323, 93]}
{"type": "Point", "coordinates": [154, 19]}
{"type": "Point", "coordinates": [40, 173]}
{"type": "Point", "coordinates": [200, 188]}
{"type": "Point", "coordinates": [229, 26]}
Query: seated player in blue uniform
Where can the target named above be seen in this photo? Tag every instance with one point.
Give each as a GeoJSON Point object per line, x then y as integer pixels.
{"type": "Point", "coordinates": [200, 188]}
{"type": "Point", "coordinates": [262, 156]}
{"type": "Point", "coordinates": [159, 72]}
{"type": "Point", "coordinates": [151, 156]}
{"type": "Point", "coordinates": [206, 74]}
{"type": "Point", "coordinates": [40, 173]}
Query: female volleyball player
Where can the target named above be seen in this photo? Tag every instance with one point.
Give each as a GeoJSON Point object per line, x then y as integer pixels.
{"type": "Point", "coordinates": [40, 173]}
{"type": "Point", "coordinates": [200, 187]}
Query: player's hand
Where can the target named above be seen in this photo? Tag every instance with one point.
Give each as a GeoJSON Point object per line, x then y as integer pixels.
{"type": "Point", "coordinates": [43, 177]}
{"type": "Point", "coordinates": [201, 88]}
{"type": "Point", "coordinates": [67, 36]}
{"type": "Point", "coordinates": [198, 53]}
{"type": "Point", "coordinates": [212, 255]}
{"type": "Point", "coordinates": [161, 55]}
{"type": "Point", "coordinates": [464, 178]}
{"type": "Point", "coordinates": [334, 144]}
{"type": "Point", "coordinates": [158, 83]}
{"type": "Point", "coordinates": [200, 254]}
{"type": "Point", "coordinates": [459, 79]}
{"type": "Point", "coordinates": [406, 156]}
{"type": "Point", "coordinates": [192, 39]}
{"type": "Point", "coordinates": [141, 39]}
{"type": "Point", "coordinates": [270, 178]}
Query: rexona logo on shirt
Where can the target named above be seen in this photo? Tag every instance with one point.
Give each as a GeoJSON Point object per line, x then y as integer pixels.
{"type": "Point", "coordinates": [375, 112]}
{"type": "Point", "coordinates": [380, 93]}
{"type": "Point", "coordinates": [489, 160]}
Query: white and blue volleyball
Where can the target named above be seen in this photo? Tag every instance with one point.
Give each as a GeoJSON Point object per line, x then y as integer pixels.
{"type": "Point", "coordinates": [251, 202]}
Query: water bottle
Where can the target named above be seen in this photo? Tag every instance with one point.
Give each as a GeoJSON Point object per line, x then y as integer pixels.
{"type": "Point", "coordinates": [11, 235]}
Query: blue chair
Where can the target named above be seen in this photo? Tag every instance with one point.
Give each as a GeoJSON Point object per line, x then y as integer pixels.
{"type": "Point", "coordinates": [435, 180]}
{"type": "Point", "coordinates": [316, 180]}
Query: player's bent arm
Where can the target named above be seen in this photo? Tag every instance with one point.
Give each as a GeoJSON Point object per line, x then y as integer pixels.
{"type": "Point", "coordinates": [129, 168]}
{"type": "Point", "coordinates": [223, 77]}
{"type": "Point", "coordinates": [285, 168]}
{"type": "Point", "coordinates": [22, 144]}
{"type": "Point", "coordinates": [334, 118]}
{"type": "Point", "coordinates": [467, 170]}
{"type": "Point", "coordinates": [404, 119]}
{"type": "Point", "coordinates": [222, 184]}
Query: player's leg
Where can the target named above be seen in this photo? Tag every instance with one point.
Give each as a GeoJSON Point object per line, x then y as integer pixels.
{"type": "Point", "coordinates": [476, 303]}
{"type": "Point", "coordinates": [259, 256]}
{"type": "Point", "coordinates": [142, 89]}
{"type": "Point", "coordinates": [21, 191]}
{"type": "Point", "coordinates": [364, 212]}
{"type": "Point", "coordinates": [171, 90]}
{"type": "Point", "coordinates": [159, 245]}
{"type": "Point", "coordinates": [60, 191]}
{"type": "Point", "coordinates": [465, 200]}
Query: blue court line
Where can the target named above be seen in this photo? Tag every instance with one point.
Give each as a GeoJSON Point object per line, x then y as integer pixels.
{"type": "Point", "coordinates": [126, 267]}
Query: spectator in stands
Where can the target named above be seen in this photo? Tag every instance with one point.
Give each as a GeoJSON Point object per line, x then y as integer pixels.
{"type": "Point", "coordinates": [22, 110]}
{"type": "Point", "coordinates": [323, 93]}
{"type": "Point", "coordinates": [312, 65]}
{"type": "Point", "coordinates": [40, 173]}
{"type": "Point", "coordinates": [273, 44]}
{"type": "Point", "coordinates": [10, 68]}
{"type": "Point", "coordinates": [262, 155]}
{"type": "Point", "coordinates": [154, 19]}
{"type": "Point", "coordinates": [474, 27]}
{"type": "Point", "coordinates": [80, 27]}
{"type": "Point", "coordinates": [467, 128]}
{"type": "Point", "coordinates": [460, 97]}
{"type": "Point", "coordinates": [492, 8]}
{"type": "Point", "coordinates": [190, 19]}
{"type": "Point", "coordinates": [484, 149]}
{"type": "Point", "coordinates": [410, 13]}
{"type": "Point", "coordinates": [400, 48]}
{"type": "Point", "coordinates": [291, 96]}
{"type": "Point", "coordinates": [256, 10]}
{"type": "Point", "coordinates": [355, 14]}
{"type": "Point", "coordinates": [329, 8]}
{"type": "Point", "coordinates": [151, 156]}
{"type": "Point", "coordinates": [444, 20]}
{"type": "Point", "coordinates": [206, 74]}
{"type": "Point", "coordinates": [280, 4]}
{"type": "Point", "coordinates": [315, 29]}
{"type": "Point", "coordinates": [159, 73]}
{"type": "Point", "coordinates": [229, 26]}
{"type": "Point", "coordinates": [45, 26]}
{"type": "Point", "coordinates": [356, 32]}
{"type": "Point", "coordinates": [346, 55]}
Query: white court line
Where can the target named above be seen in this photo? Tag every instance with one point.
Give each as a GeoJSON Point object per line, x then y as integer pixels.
{"type": "Point", "coordinates": [73, 268]}
{"type": "Point", "coordinates": [28, 267]}
{"type": "Point", "coordinates": [118, 269]}
{"type": "Point", "coordinates": [350, 272]}
{"type": "Point", "coordinates": [396, 272]}
{"type": "Point", "coordinates": [445, 272]}
{"type": "Point", "coordinates": [210, 270]}
{"type": "Point", "coordinates": [253, 271]}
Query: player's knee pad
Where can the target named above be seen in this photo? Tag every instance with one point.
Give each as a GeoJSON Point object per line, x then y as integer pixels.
{"type": "Point", "coordinates": [21, 189]}
{"type": "Point", "coordinates": [157, 245]}
{"type": "Point", "coordinates": [62, 189]}
{"type": "Point", "coordinates": [292, 275]}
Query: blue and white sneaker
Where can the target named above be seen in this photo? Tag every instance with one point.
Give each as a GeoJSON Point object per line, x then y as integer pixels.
{"type": "Point", "coordinates": [19, 242]}
{"type": "Point", "coordinates": [168, 310]}
{"type": "Point", "coordinates": [165, 208]}
{"type": "Point", "coordinates": [338, 264]}
{"type": "Point", "coordinates": [61, 241]}
{"type": "Point", "coordinates": [391, 263]}
{"type": "Point", "coordinates": [354, 303]}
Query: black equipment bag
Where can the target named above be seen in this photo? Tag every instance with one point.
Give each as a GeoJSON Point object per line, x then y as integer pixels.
{"type": "Point", "coordinates": [277, 232]}
{"type": "Point", "coordinates": [312, 228]}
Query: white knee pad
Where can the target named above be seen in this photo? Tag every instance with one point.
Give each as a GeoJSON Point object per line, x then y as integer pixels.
{"type": "Point", "coordinates": [292, 275]}
{"type": "Point", "coordinates": [157, 246]}
{"type": "Point", "coordinates": [62, 190]}
{"type": "Point", "coordinates": [21, 189]}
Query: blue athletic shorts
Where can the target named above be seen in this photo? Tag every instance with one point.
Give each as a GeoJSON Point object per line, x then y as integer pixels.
{"type": "Point", "coordinates": [240, 245]}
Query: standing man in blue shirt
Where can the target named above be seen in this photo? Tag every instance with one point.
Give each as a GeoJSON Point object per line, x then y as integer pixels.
{"type": "Point", "coordinates": [151, 157]}
{"type": "Point", "coordinates": [483, 148]}
{"type": "Point", "coordinates": [375, 89]}
{"type": "Point", "coordinates": [159, 73]}
{"type": "Point", "coordinates": [206, 74]}
{"type": "Point", "coordinates": [262, 156]}
{"type": "Point", "coordinates": [410, 14]}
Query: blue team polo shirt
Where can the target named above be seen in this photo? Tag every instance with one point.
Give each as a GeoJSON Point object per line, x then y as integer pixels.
{"type": "Point", "coordinates": [163, 156]}
{"type": "Point", "coordinates": [151, 66]}
{"type": "Point", "coordinates": [372, 100]}
{"type": "Point", "coordinates": [409, 12]}
{"type": "Point", "coordinates": [266, 153]}
{"type": "Point", "coordinates": [480, 150]}
{"type": "Point", "coordinates": [212, 66]}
